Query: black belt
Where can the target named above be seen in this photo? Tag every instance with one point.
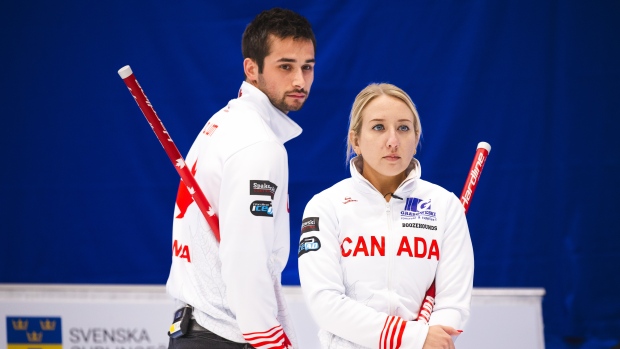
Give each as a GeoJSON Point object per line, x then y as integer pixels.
{"type": "Point", "coordinates": [195, 327]}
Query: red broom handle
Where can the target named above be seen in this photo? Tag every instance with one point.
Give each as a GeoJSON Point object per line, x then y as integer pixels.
{"type": "Point", "coordinates": [482, 152]}
{"type": "Point", "coordinates": [173, 153]}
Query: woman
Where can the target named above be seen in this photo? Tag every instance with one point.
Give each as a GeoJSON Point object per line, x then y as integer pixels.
{"type": "Point", "coordinates": [372, 244]}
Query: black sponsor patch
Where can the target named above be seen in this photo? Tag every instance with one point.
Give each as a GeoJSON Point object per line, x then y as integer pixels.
{"type": "Point", "coordinates": [261, 208]}
{"type": "Point", "coordinates": [310, 224]}
{"type": "Point", "coordinates": [262, 188]}
{"type": "Point", "coordinates": [420, 226]}
{"type": "Point", "coordinates": [311, 243]}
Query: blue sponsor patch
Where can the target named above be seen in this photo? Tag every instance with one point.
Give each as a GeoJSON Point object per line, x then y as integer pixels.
{"type": "Point", "coordinates": [418, 209]}
{"type": "Point", "coordinates": [33, 332]}
{"type": "Point", "coordinates": [311, 243]}
{"type": "Point", "coordinates": [261, 208]}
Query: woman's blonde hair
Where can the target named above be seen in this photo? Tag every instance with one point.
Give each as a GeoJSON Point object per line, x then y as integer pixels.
{"type": "Point", "coordinates": [369, 93]}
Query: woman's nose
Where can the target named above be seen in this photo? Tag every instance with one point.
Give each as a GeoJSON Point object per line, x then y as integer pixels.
{"type": "Point", "coordinates": [392, 141]}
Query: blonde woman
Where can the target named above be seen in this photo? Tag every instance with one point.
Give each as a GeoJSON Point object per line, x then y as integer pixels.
{"type": "Point", "coordinates": [371, 245]}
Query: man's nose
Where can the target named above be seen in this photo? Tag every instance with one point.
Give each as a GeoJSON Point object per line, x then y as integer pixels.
{"type": "Point", "coordinates": [298, 79]}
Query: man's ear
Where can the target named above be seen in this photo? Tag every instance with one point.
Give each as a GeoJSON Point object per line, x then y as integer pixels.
{"type": "Point", "coordinates": [250, 68]}
{"type": "Point", "coordinates": [354, 141]}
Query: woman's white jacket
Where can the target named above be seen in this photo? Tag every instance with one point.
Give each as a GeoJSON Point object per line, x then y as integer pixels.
{"type": "Point", "coordinates": [365, 264]}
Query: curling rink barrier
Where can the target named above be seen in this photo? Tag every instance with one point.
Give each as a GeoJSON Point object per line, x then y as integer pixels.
{"type": "Point", "coordinates": [138, 317]}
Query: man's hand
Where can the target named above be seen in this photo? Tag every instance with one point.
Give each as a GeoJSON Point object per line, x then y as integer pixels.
{"type": "Point", "coordinates": [439, 337]}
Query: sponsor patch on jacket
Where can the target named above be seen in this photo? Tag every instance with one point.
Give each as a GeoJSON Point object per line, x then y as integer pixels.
{"type": "Point", "coordinates": [310, 224]}
{"type": "Point", "coordinates": [418, 209]}
{"type": "Point", "coordinates": [261, 208]}
{"type": "Point", "coordinates": [309, 244]}
{"type": "Point", "coordinates": [420, 226]}
{"type": "Point", "coordinates": [262, 188]}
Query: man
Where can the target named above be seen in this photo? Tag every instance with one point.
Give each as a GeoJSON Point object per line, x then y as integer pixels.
{"type": "Point", "coordinates": [241, 165]}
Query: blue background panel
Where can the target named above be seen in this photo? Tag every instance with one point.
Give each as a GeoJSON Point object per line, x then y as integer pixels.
{"type": "Point", "coordinates": [87, 193]}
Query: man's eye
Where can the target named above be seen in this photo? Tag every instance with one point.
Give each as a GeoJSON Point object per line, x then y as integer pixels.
{"type": "Point", "coordinates": [403, 128]}
{"type": "Point", "coordinates": [285, 67]}
{"type": "Point", "coordinates": [307, 67]}
{"type": "Point", "coordinates": [378, 127]}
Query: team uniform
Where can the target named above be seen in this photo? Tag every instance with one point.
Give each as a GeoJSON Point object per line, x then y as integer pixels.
{"type": "Point", "coordinates": [365, 264]}
{"type": "Point", "coordinates": [241, 165]}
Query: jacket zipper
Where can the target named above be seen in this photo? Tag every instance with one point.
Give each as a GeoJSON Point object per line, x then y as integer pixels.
{"type": "Point", "coordinates": [388, 239]}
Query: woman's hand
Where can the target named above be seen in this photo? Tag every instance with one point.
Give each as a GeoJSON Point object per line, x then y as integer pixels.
{"type": "Point", "coordinates": [440, 337]}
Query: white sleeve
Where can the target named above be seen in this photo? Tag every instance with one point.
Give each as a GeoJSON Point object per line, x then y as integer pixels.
{"type": "Point", "coordinates": [321, 279]}
{"type": "Point", "coordinates": [455, 271]}
{"type": "Point", "coordinates": [247, 229]}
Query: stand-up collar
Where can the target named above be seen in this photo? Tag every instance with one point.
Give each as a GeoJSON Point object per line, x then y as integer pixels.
{"type": "Point", "coordinates": [414, 171]}
{"type": "Point", "coordinates": [282, 126]}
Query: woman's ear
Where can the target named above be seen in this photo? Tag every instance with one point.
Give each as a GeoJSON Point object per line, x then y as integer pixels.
{"type": "Point", "coordinates": [354, 141]}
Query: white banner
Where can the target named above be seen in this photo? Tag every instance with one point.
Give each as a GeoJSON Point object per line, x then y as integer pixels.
{"type": "Point", "coordinates": [138, 317]}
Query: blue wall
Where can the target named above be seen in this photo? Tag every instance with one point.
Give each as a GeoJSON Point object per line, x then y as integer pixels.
{"type": "Point", "coordinates": [87, 193]}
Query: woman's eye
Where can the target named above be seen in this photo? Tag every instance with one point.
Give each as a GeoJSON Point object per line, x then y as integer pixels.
{"type": "Point", "coordinates": [378, 127]}
{"type": "Point", "coordinates": [285, 67]}
{"type": "Point", "coordinates": [403, 128]}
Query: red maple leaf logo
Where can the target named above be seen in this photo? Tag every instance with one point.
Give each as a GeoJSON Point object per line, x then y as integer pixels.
{"type": "Point", "coordinates": [184, 198]}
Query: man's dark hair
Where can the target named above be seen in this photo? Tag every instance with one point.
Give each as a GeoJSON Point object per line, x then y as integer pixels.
{"type": "Point", "coordinates": [282, 23]}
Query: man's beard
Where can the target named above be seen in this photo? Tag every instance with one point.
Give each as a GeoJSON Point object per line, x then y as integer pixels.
{"type": "Point", "coordinates": [280, 102]}
{"type": "Point", "coordinates": [286, 107]}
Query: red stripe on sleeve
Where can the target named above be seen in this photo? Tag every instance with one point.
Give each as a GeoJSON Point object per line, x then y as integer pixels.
{"type": "Point", "coordinates": [276, 343]}
{"type": "Point", "coordinates": [385, 331]}
{"type": "Point", "coordinates": [392, 333]}
{"type": "Point", "coordinates": [400, 334]}
{"type": "Point", "coordinates": [274, 338]}
{"type": "Point", "coordinates": [393, 330]}
{"type": "Point", "coordinates": [261, 333]}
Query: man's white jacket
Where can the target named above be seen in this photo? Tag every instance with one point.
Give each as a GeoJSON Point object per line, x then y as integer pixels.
{"type": "Point", "coordinates": [365, 264]}
{"type": "Point", "coordinates": [241, 165]}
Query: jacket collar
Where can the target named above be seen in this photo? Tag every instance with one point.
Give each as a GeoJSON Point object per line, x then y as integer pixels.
{"type": "Point", "coordinates": [282, 126]}
{"type": "Point", "coordinates": [414, 172]}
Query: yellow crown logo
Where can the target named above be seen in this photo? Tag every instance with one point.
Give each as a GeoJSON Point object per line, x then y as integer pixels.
{"type": "Point", "coordinates": [20, 325]}
{"type": "Point", "coordinates": [34, 336]}
{"type": "Point", "coordinates": [48, 325]}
